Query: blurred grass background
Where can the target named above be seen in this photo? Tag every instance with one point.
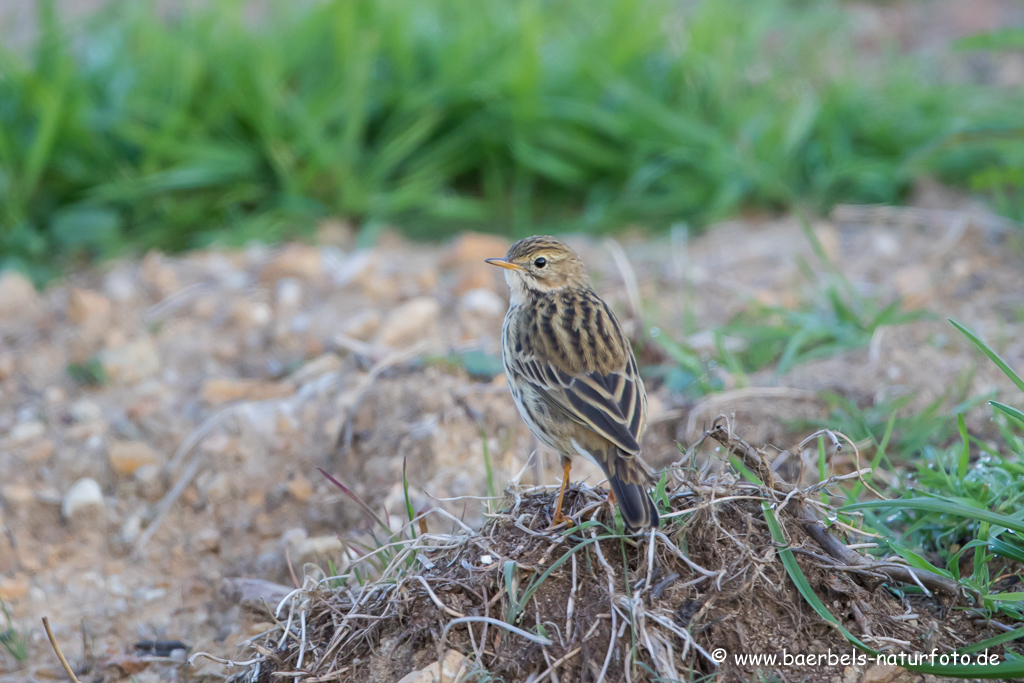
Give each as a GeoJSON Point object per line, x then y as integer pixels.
{"type": "Point", "coordinates": [149, 128]}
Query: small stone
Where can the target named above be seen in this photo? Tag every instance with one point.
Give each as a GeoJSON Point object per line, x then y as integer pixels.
{"type": "Point", "coordinates": [148, 474]}
{"type": "Point", "coordinates": [55, 396]}
{"type": "Point", "coordinates": [88, 309]}
{"type": "Point", "coordinates": [319, 546]}
{"type": "Point", "coordinates": [6, 365]}
{"type": "Point", "coordinates": [289, 293]}
{"type": "Point", "coordinates": [131, 528]}
{"type": "Point", "coordinates": [119, 287]}
{"type": "Point", "coordinates": [217, 444]}
{"type": "Point", "coordinates": [17, 495]}
{"type": "Point", "coordinates": [300, 488]}
{"type": "Point", "coordinates": [206, 541]}
{"type": "Point", "coordinates": [84, 410]}
{"type": "Point", "coordinates": [471, 248]}
{"type": "Point", "coordinates": [294, 538]}
{"type": "Point", "coordinates": [216, 488]}
{"type": "Point", "coordinates": [205, 307]}
{"type": "Point", "coordinates": [14, 588]}
{"type": "Point", "coordinates": [358, 268]}
{"type": "Point", "coordinates": [126, 457]}
{"type": "Point", "coordinates": [17, 294]}
{"type": "Point", "coordinates": [131, 362]}
{"type": "Point", "coordinates": [298, 261]}
{"type": "Point", "coordinates": [83, 495]}
{"type": "Point", "coordinates": [914, 285]}
{"type": "Point", "coordinates": [885, 244]}
{"type": "Point", "coordinates": [362, 326]}
{"type": "Point", "coordinates": [882, 673]}
{"type": "Point", "coordinates": [27, 431]}
{"type": "Point", "coordinates": [482, 302]}
{"type": "Point", "coordinates": [414, 320]}
{"type": "Point", "coordinates": [482, 276]}
{"type": "Point", "coordinates": [40, 452]}
{"type": "Point", "coordinates": [453, 668]}
{"type": "Point", "coordinates": [249, 314]}
{"type": "Point", "coordinates": [218, 391]}
{"type": "Point", "coordinates": [158, 274]}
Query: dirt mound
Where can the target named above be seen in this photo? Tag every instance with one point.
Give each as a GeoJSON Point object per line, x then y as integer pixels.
{"type": "Point", "coordinates": [696, 598]}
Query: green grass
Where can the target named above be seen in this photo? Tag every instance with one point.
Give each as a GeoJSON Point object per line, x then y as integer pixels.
{"type": "Point", "coordinates": [959, 509]}
{"type": "Point", "coordinates": [209, 126]}
{"type": "Point", "coordinates": [12, 640]}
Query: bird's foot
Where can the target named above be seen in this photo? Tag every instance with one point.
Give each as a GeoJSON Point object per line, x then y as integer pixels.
{"type": "Point", "coordinates": [559, 520]}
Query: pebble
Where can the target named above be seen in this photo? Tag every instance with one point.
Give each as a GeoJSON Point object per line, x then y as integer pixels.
{"type": "Point", "coordinates": [483, 302]}
{"type": "Point", "coordinates": [89, 309]}
{"type": "Point", "coordinates": [471, 248]}
{"type": "Point", "coordinates": [216, 488]}
{"type": "Point", "coordinates": [358, 268]}
{"type": "Point", "coordinates": [248, 314]}
{"type": "Point", "coordinates": [319, 546]}
{"type": "Point", "coordinates": [298, 261]}
{"type": "Point", "coordinates": [206, 541]}
{"type": "Point", "coordinates": [17, 294]}
{"type": "Point", "coordinates": [218, 391]}
{"type": "Point", "coordinates": [914, 285]}
{"type": "Point", "coordinates": [155, 272]}
{"type": "Point", "coordinates": [289, 293]}
{"type": "Point", "coordinates": [6, 365]}
{"type": "Point", "coordinates": [131, 362]}
{"type": "Point", "coordinates": [17, 495]}
{"type": "Point", "coordinates": [131, 528]}
{"type": "Point", "coordinates": [27, 431]}
{"type": "Point", "coordinates": [14, 588]}
{"type": "Point", "coordinates": [119, 286]}
{"type": "Point", "coordinates": [453, 668]}
{"type": "Point", "coordinates": [414, 320]}
{"type": "Point", "coordinates": [127, 457]}
{"type": "Point", "coordinates": [362, 326]}
{"type": "Point", "coordinates": [294, 538]}
{"type": "Point", "coordinates": [40, 452]}
{"type": "Point", "coordinates": [84, 494]}
{"type": "Point", "coordinates": [300, 488]}
{"type": "Point", "coordinates": [84, 410]}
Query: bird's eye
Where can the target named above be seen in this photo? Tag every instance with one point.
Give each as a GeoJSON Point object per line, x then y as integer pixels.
{"type": "Point", "coordinates": [540, 262]}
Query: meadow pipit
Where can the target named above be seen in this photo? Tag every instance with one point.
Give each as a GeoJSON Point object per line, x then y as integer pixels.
{"type": "Point", "coordinates": [572, 372]}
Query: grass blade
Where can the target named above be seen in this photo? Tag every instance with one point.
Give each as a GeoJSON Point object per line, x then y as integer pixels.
{"type": "Point", "coordinates": [939, 505]}
{"type": "Point", "coordinates": [995, 357]}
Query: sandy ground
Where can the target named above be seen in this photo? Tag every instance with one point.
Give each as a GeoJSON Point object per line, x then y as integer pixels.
{"type": "Point", "coordinates": [228, 377]}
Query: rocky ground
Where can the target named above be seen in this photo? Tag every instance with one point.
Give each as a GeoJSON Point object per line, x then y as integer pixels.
{"type": "Point", "coordinates": [162, 419]}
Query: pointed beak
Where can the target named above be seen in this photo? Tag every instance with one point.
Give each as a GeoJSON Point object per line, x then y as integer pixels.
{"type": "Point", "coordinates": [504, 263]}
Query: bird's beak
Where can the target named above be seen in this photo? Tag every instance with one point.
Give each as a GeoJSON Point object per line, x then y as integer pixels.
{"type": "Point", "coordinates": [504, 263]}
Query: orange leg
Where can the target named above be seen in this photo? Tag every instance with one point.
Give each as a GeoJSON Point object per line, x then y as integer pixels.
{"type": "Point", "coordinates": [611, 497]}
{"type": "Point", "coordinates": [559, 518]}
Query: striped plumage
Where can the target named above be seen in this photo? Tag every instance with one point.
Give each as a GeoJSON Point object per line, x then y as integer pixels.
{"type": "Point", "coordinates": [572, 372]}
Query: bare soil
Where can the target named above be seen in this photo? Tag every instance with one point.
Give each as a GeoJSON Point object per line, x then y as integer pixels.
{"type": "Point", "coordinates": [228, 377]}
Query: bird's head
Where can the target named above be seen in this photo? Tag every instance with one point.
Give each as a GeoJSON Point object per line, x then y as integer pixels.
{"type": "Point", "coordinates": [541, 264]}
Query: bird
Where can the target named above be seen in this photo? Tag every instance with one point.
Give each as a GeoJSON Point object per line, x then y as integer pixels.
{"type": "Point", "coordinates": [572, 373]}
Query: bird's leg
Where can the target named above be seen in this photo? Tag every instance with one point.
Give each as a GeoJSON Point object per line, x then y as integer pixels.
{"type": "Point", "coordinates": [559, 518]}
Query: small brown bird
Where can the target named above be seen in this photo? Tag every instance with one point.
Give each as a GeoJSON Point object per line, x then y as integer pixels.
{"type": "Point", "coordinates": [572, 372]}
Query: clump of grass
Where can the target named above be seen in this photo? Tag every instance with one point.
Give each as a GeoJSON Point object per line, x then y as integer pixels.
{"type": "Point", "coordinates": [959, 509]}
{"type": "Point", "coordinates": [12, 640]}
{"type": "Point", "coordinates": [142, 130]}
{"type": "Point", "coordinates": [91, 373]}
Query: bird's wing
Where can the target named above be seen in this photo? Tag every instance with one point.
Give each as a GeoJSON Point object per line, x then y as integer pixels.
{"type": "Point", "coordinates": [611, 404]}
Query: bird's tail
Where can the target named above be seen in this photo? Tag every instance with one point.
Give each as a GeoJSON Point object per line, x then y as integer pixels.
{"type": "Point", "coordinates": [627, 477]}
